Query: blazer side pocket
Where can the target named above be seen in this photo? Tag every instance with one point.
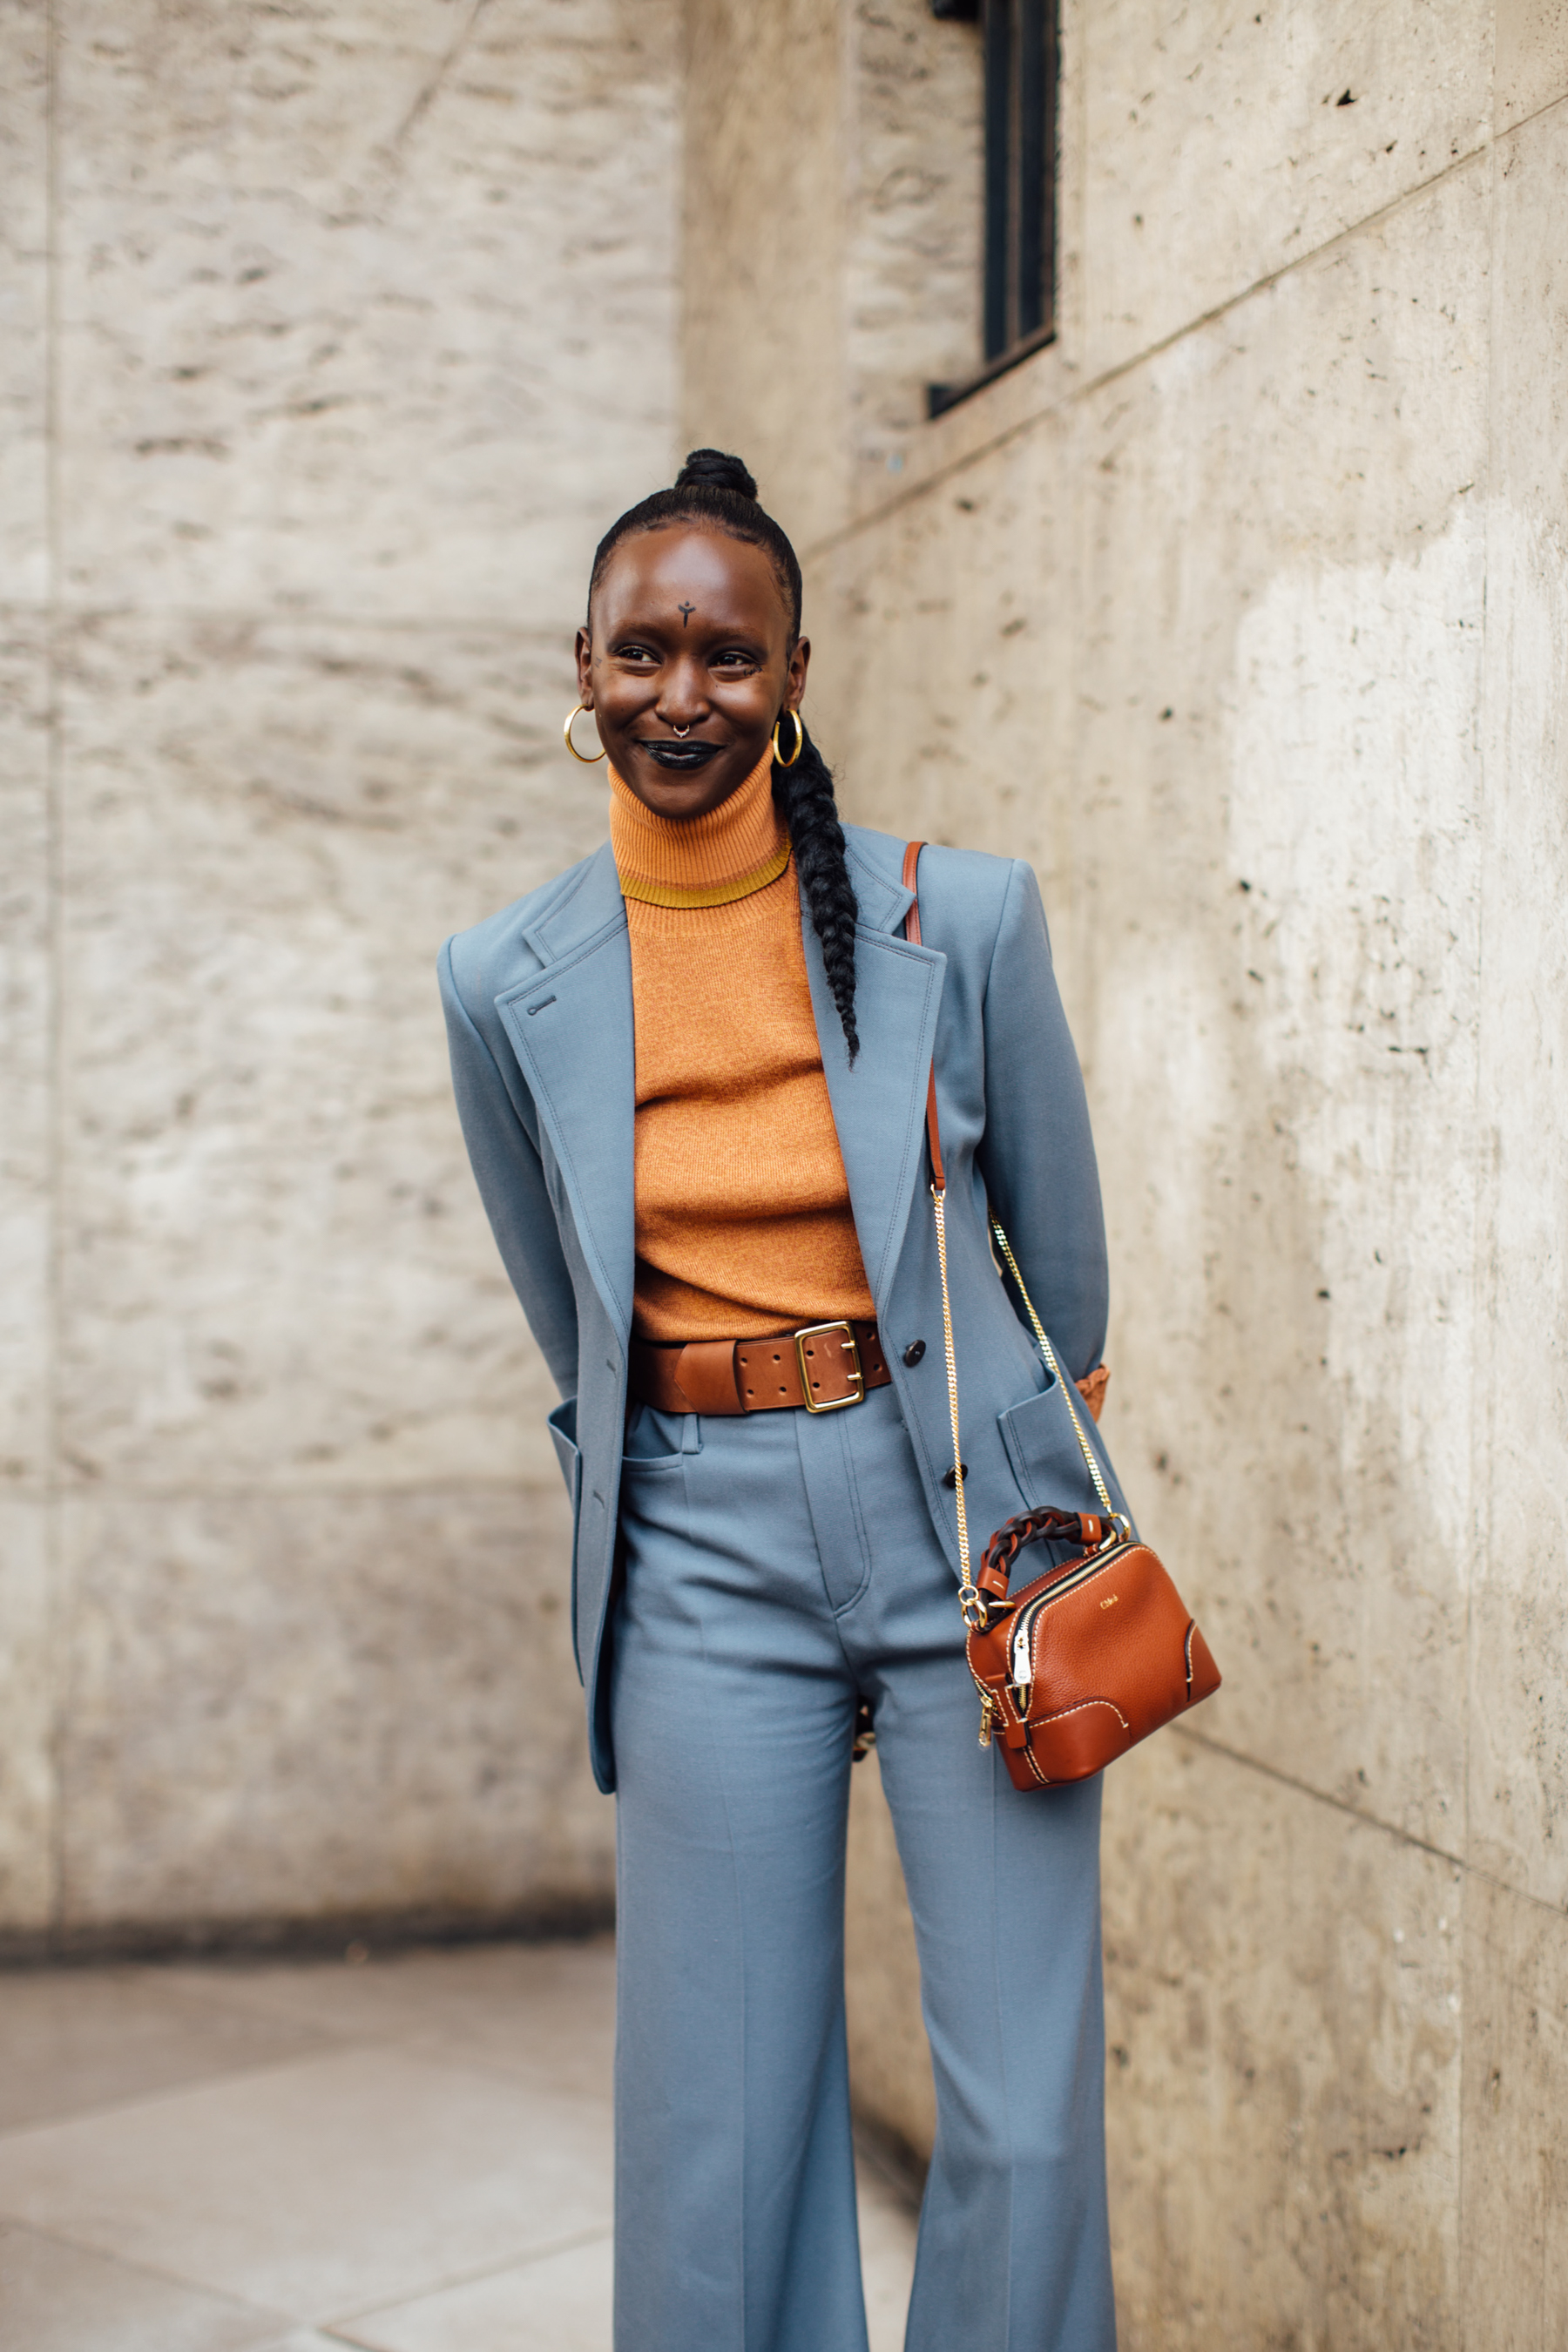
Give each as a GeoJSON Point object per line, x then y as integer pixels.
{"type": "Point", "coordinates": [1043, 1452]}
{"type": "Point", "coordinates": [563, 1427]}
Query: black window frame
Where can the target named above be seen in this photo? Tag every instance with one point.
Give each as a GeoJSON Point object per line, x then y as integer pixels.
{"type": "Point", "coordinates": [1021, 43]}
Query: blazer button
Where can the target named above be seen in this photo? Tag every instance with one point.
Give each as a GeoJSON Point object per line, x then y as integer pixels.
{"type": "Point", "coordinates": [949, 1480]}
{"type": "Point", "coordinates": [914, 1352]}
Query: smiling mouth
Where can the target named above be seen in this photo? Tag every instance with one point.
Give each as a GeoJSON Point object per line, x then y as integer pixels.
{"type": "Point", "coordinates": [684, 758]}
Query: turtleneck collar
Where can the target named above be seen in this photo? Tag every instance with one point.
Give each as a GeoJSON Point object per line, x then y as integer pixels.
{"type": "Point", "coordinates": [700, 861]}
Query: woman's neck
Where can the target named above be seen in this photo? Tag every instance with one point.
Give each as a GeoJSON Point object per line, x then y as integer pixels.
{"type": "Point", "coordinates": [700, 861]}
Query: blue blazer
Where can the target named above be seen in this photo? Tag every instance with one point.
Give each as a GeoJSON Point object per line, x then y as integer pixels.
{"type": "Point", "coordinates": [539, 1007]}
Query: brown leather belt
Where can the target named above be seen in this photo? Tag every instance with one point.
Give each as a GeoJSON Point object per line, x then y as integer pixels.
{"type": "Point", "coordinates": [823, 1367]}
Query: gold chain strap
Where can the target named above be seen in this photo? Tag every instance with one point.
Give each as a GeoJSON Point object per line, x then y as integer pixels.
{"type": "Point", "coordinates": [971, 1602]}
{"type": "Point", "coordinates": [1066, 1386]}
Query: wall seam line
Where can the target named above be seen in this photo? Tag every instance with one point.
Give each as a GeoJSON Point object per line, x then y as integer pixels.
{"type": "Point", "coordinates": [1073, 394]}
{"type": "Point", "coordinates": [54, 898]}
{"type": "Point", "coordinates": [1368, 1820]}
{"type": "Point", "coordinates": [1481, 1513]}
{"type": "Point", "coordinates": [544, 633]}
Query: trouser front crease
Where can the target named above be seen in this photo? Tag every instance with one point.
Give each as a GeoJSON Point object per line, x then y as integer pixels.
{"type": "Point", "coordinates": [776, 1568]}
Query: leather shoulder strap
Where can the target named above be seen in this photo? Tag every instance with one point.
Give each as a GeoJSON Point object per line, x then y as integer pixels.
{"type": "Point", "coordinates": [913, 933]}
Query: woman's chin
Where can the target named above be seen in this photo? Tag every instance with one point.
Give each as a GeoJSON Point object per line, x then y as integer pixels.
{"type": "Point", "coordinates": [683, 792]}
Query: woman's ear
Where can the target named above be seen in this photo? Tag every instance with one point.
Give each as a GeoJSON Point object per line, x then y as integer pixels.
{"type": "Point", "coordinates": [584, 669]}
{"type": "Point", "coordinates": [799, 663]}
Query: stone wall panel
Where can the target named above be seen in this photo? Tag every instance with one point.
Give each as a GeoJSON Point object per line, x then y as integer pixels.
{"type": "Point", "coordinates": [1514, 2222]}
{"type": "Point", "coordinates": [280, 1270]}
{"type": "Point", "coordinates": [764, 208]}
{"type": "Point", "coordinates": [1283, 2018]}
{"type": "Point", "coordinates": [912, 263]}
{"type": "Point", "coordinates": [1530, 57]}
{"type": "Point", "coordinates": [352, 328]}
{"type": "Point", "coordinates": [27, 1073]}
{"type": "Point", "coordinates": [1223, 143]}
{"type": "Point", "coordinates": [24, 302]}
{"type": "Point", "coordinates": [1227, 693]}
{"type": "Point", "coordinates": [30, 1618]}
{"type": "Point", "coordinates": [943, 684]}
{"type": "Point", "coordinates": [1279, 794]}
{"type": "Point", "coordinates": [297, 1707]}
{"type": "Point", "coordinates": [1519, 1642]}
{"type": "Point", "coordinates": [374, 313]}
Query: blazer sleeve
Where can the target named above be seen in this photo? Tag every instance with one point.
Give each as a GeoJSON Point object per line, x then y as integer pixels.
{"type": "Point", "coordinates": [510, 1177]}
{"type": "Point", "coordinates": [1036, 1155]}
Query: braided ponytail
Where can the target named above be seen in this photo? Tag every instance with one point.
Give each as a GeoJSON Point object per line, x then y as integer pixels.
{"type": "Point", "coordinates": [720, 491]}
{"type": "Point", "coordinates": [803, 795]}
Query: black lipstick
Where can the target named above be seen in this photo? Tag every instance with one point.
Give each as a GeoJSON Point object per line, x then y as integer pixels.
{"type": "Point", "coordinates": [684, 758]}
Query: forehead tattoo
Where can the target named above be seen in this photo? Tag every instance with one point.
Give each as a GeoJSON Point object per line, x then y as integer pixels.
{"type": "Point", "coordinates": [685, 611]}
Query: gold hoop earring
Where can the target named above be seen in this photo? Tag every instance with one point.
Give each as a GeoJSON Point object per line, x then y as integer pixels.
{"type": "Point", "coordinates": [799, 739]}
{"type": "Point", "coordinates": [587, 757]}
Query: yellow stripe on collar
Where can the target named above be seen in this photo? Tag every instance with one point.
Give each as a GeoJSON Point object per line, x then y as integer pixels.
{"type": "Point", "coordinates": [709, 894]}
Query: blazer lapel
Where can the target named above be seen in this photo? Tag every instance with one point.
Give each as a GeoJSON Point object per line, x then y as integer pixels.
{"type": "Point", "coordinates": [878, 1107]}
{"type": "Point", "coordinates": [572, 1027]}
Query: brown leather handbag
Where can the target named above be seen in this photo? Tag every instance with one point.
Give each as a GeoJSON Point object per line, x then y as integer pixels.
{"type": "Point", "coordinates": [1080, 1664]}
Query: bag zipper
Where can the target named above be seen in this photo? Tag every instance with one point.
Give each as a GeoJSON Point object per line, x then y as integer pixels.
{"type": "Point", "coordinates": [1021, 1641]}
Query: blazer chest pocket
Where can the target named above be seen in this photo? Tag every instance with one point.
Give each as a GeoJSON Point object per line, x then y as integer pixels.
{"type": "Point", "coordinates": [1043, 1450]}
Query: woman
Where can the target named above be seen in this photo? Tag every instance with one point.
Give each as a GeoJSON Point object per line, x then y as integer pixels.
{"type": "Point", "coordinates": [692, 1075]}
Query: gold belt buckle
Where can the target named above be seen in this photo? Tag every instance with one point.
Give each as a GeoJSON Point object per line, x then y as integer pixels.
{"type": "Point", "coordinates": [852, 1347]}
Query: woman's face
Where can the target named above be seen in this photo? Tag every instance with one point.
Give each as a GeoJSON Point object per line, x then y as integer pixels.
{"type": "Point", "coordinates": [688, 629]}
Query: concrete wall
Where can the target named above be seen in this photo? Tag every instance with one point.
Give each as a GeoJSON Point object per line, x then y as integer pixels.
{"type": "Point", "coordinates": [329, 336]}
{"type": "Point", "coordinates": [1241, 611]}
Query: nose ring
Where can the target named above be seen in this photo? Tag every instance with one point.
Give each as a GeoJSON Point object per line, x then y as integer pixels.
{"type": "Point", "coordinates": [684, 731]}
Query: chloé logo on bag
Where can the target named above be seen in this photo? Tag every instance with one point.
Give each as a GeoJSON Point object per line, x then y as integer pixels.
{"type": "Point", "coordinates": [1113, 1601]}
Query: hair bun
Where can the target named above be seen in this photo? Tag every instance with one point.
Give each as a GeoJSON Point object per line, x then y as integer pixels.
{"type": "Point", "coordinates": [711, 470]}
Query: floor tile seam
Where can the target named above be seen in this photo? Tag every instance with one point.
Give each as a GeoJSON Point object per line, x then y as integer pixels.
{"type": "Point", "coordinates": [512, 2070]}
{"type": "Point", "coordinates": [225, 2078]}
{"type": "Point", "coordinates": [385, 2034]}
{"type": "Point", "coordinates": [1071, 396]}
{"type": "Point", "coordinates": [192, 1978]}
{"type": "Point", "coordinates": [602, 2233]}
{"type": "Point", "coordinates": [1374, 1821]}
{"type": "Point", "coordinates": [413, 2041]}
{"type": "Point", "coordinates": [476, 2068]}
{"type": "Point", "coordinates": [537, 1921]}
{"type": "Point", "coordinates": [199, 1982]}
{"type": "Point", "coordinates": [271, 2318]}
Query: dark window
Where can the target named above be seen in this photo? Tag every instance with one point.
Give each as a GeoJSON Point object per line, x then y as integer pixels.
{"type": "Point", "coordinates": [1018, 313]}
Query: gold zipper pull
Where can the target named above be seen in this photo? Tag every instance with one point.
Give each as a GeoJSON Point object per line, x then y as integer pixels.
{"type": "Point", "coordinates": [988, 1708]}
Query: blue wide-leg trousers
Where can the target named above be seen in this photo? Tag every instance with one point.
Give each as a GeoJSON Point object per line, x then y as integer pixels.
{"type": "Point", "coordinates": [777, 1567]}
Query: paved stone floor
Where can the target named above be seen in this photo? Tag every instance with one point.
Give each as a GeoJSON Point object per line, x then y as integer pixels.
{"type": "Point", "coordinates": [409, 2153]}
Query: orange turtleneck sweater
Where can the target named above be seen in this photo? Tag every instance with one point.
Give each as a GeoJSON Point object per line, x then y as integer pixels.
{"type": "Point", "coordinates": [743, 1223]}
